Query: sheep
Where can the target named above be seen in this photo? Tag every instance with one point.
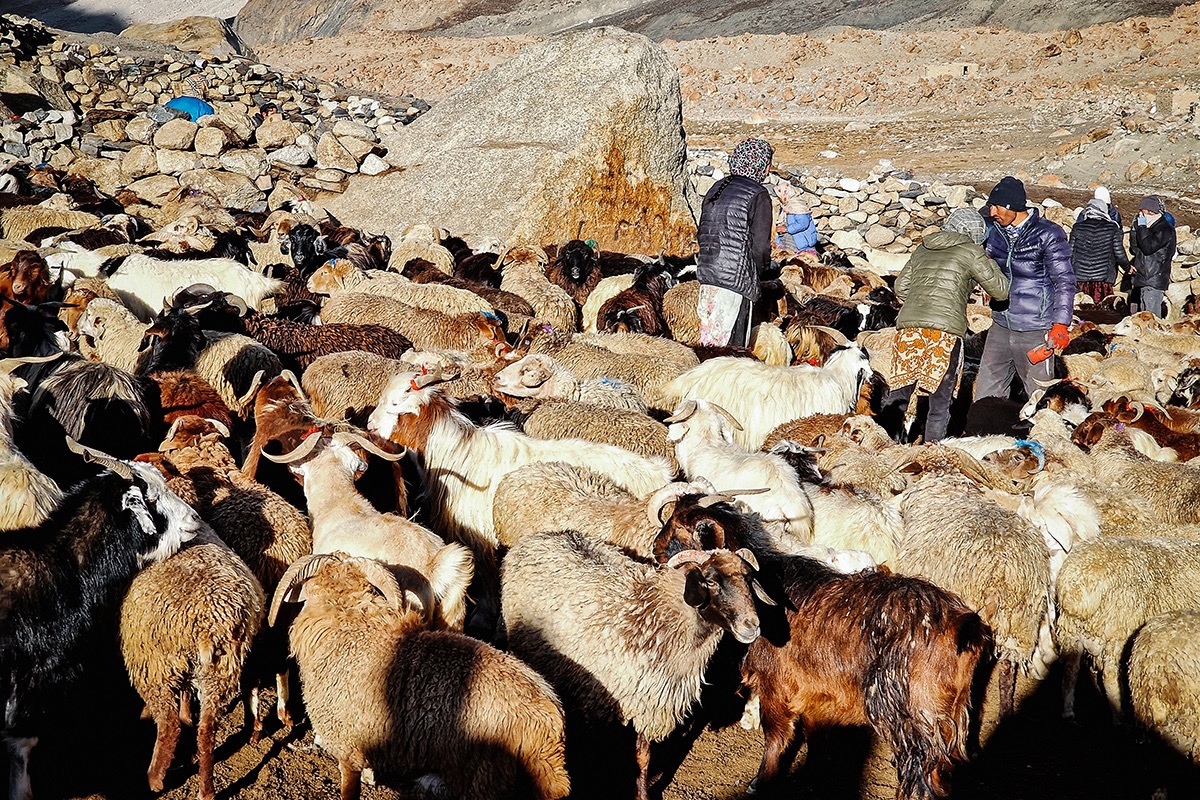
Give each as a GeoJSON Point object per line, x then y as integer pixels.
{"type": "Point", "coordinates": [298, 344]}
{"type": "Point", "coordinates": [110, 332]}
{"type": "Point", "coordinates": [230, 363]}
{"type": "Point", "coordinates": [779, 394]}
{"type": "Point", "coordinates": [426, 329]}
{"type": "Point", "coordinates": [1163, 680]}
{"type": "Point", "coordinates": [540, 377]}
{"type": "Point", "coordinates": [27, 496]}
{"type": "Point", "coordinates": [679, 312]}
{"type": "Point", "coordinates": [73, 567]}
{"type": "Point", "coordinates": [384, 694]}
{"type": "Point", "coordinates": [628, 642]}
{"type": "Point", "coordinates": [1001, 567]}
{"type": "Point", "coordinates": [421, 241]}
{"type": "Point", "coordinates": [1171, 491]}
{"type": "Point", "coordinates": [576, 269]}
{"type": "Point", "coordinates": [806, 430]}
{"type": "Point", "coordinates": [340, 275]}
{"type": "Point", "coordinates": [1147, 336]}
{"type": "Point", "coordinates": [770, 346]}
{"type": "Point", "coordinates": [26, 278]}
{"type": "Point", "coordinates": [552, 496]}
{"type": "Point", "coordinates": [1107, 589]}
{"type": "Point", "coordinates": [703, 437]}
{"type": "Point", "coordinates": [265, 531]}
{"type": "Point", "coordinates": [522, 270]}
{"type": "Point", "coordinates": [82, 292]}
{"type": "Point", "coordinates": [605, 289]}
{"type": "Point", "coordinates": [635, 344]}
{"type": "Point", "coordinates": [18, 223]}
{"type": "Point", "coordinates": [344, 521]}
{"type": "Point", "coordinates": [1175, 432]}
{"type": "Point", "coordinates": [464, 463]}
{"type": "Point", "coordinates": [186, 625]}
{"type": "Point", "coordinates": [633, 431]}
{"type": "Point", "coordinates": [146, 284]}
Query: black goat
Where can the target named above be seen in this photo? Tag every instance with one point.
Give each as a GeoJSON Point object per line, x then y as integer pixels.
{"type": "Point", "coordinates": [63, 579]}
{"type": "Point", "coordinates": [638, 309]}
{"type": "Point", "coordinates": [576, 269]}
{"type": "Point", "coordinates": [298, 344]}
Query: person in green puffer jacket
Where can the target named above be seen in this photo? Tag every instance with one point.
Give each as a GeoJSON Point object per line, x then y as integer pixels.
{"type": "Point", "coordinates": [935, 286]}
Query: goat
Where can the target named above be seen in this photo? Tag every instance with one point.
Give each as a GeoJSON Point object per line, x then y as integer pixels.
{"type": "Point", "coordinates": [26, 278]}
{"type": "Point", "coordinates": [384, 693]}
{"type": "Point", "coordinates": [71, 570]}
{"type": "Point", "coordinates": [146, 283]}
{"type": "Point", "coordinates": [576, 269]}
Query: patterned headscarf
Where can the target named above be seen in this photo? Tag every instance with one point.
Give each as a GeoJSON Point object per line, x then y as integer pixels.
{"type": "Point", "coordinates": [751, 159]}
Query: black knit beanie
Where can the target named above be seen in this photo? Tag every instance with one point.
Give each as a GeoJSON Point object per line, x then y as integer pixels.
{"type": "Point", "coordinates": [1008, 193]}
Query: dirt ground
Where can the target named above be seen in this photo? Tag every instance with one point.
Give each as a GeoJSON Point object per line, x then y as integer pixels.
{"type": "Point", "coordinates": [1034, 755]}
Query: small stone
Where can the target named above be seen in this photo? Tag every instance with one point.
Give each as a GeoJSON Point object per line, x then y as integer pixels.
{"type": "Point", "coordinates": [155, 188]}
{"type": "Point", "coordinates": [850, 184]}
{"type": "Point", "coordinates": [373, 165]}
{"type": "Point", "coordinates": [234, 191]}
{"type": "Point", "coordinates": [829, 154]}
{"type": "Point", "coordinates": [331, 155]}
{"type": "Point", "coordinates": [210, 141]}
{"type": "Point", "coordinates": [858, 217]}
{"type": "Point", "coordinates": [110, 130]}
{"type": "Point", "coordinates": [1137, 170]}
{"type": "Point", "coordinates": [293, 155]}
{"type": "Point", "coordinates": [275, 133]}
{"type": "Point", "coordinates": [349, 127]}
{"type": "Point", "coordinates": [847, 240]}
{"type": "Point", "coordinates": [175, 134]}
{"type": "Point", "coordinates": [879, 236]}
{"type": "Point", "coordinates": [357, 148]}
{"type": "Point", "coordinates": [140, 129]}
{"type": "Point", "coordinates": [250, 163]}
{"type": "Point", "coordinates": [173, 162]}
{"type": "Point", "coordinates": [139, 162]}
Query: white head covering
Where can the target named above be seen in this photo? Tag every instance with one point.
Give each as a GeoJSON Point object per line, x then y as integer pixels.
{"type": "Point", "coordinates": [1102, 194]}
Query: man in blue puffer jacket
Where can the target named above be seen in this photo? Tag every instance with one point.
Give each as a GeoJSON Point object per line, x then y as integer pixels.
{"type": "Point", "coordinates": [1035, 256]}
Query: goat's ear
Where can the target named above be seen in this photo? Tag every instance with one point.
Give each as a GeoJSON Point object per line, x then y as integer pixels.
{"type": "Point", "coordinates": [695, 589]}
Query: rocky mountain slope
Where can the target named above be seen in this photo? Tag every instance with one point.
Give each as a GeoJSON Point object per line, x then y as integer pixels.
{"type": "Point", "coordinates": [284, 21]}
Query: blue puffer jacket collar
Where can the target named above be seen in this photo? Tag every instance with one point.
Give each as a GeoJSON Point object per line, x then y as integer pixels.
{"type": "Point", "coordinates": [1038, 266]}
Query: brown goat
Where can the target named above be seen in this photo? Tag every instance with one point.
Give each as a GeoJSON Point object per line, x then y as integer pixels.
{"type": "Point", "coordinates": [1176, 433]}
{"type": "Point", "coordinates": [183, 393]}
{"type": "Point", "coordinates": [26, 278]}
{"type": "Point", "coordinates": [872, 648]}
{"type": "Point", "coordinates": [638, 309]}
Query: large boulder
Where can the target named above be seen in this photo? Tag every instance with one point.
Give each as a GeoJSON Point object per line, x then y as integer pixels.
{"type": "Point", "coordinates": [208, 36]}
{"type": "Point", "coordinates": [581, 135]}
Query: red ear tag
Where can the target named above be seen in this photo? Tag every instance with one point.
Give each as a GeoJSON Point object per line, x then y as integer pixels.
{"type": "Point", "coordinates": [412, 384]}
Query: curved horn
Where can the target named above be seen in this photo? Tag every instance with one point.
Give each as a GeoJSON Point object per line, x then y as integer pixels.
{"type": "Point", "coordinates": [1044, 384]}
{"type": "Point", "coordinates": [683, 412]}
{"type": "Point", "coordinates": [689, 557]}
{"type": "Point", "coordinates": [7, 365]}
{"type": "Point", "coordinates": [732, 420]}
{"type": "Point", "coordinates": [303, 449]}
{"type": "Point", "coordinates": [166, 442]}
{"type": "Point", "coordinates": [291, 378]}
{"type": "Point", "coordinates": [103, 459]}
{"type": "Point", "coordinates": [255, 382]}
{"type": "Point", "coordinates": [710, 500]}
{"type": "Point", "coordinates": [238, 303]}
{"type": "Point", "coordinates": [745, 555]}
{"type": "Point", "coordinates": [386, 581]}
{"type": "Point", "coordinates": [1138, 410]}
{"type": "Point", "coordinates": [837, 335]}
{"type": "Point", "coordinates": [220, 426]}
{"type": "Point", "coordinates": [348, 437]}
{"type": "Point", "coordinates": [301, 570]}
{"type": "Point", "coordinates": [428, 378]}
{"type": "Point", "coordinates": [660, 499]}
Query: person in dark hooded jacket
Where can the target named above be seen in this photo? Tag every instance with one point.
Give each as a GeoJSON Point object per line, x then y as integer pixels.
{"type": "Point", "coordinates": [935, 285]}
{"type": "Point", "coordinates": [1035, 256]}
{"type": "Point", "coordinates": [1097, 249]}
{"type": "Point", "coordinates": [1152, 243]}
{"type": "Point", "coordinates": [734, 235]}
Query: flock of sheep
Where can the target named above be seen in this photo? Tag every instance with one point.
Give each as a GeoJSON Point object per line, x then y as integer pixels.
{"type": "Point", "coordinates": [512, 525]}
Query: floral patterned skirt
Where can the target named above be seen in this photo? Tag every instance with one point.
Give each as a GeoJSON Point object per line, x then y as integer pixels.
{"type": "Point", "coordinates": [922, 356]}
{"type": "Point", "coordinates": [718, 310]}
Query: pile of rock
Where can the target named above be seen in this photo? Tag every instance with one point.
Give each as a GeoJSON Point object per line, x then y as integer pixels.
{"type": "Point", "coordinates": [96, 109]}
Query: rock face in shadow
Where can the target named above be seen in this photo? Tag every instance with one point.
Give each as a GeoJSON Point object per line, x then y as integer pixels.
{"type": "Point", "coordinates": [580, 136]}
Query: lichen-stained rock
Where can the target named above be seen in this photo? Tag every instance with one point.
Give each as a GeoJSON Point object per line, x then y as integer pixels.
{"type": "Point", "coordinates": [580, 135]}
{"type": "Point", "coordinates": [206, 35]}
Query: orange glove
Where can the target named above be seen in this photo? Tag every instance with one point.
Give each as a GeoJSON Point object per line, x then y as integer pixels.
{"type": "Point", "coordinates": [1059, 336]}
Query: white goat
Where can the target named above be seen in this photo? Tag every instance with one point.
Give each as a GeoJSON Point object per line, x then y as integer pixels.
{"type": "Point", "coordinates": [145, 283]}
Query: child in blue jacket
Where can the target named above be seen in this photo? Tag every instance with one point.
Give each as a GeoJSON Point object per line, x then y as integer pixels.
{"type": "Point", "coordinates": [797, 232]}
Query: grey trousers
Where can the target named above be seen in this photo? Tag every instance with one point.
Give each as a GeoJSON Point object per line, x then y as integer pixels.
{"type": "Point", "coordinates": [1150, 299]}
{"type": "Point", "coordinates": [1005, 354]}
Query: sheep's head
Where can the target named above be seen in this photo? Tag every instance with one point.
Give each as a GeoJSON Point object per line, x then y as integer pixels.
{"type": "Point", "coordinates": [331, 276]}
{"type": "Point", "coordinates": [702, 419]}
{"type": "Point", "coordinates": [341, 582]}
{"type": "Point", "coordinates": [718, 584]}
{"type": "Point", "coordinates": [522, 257]}
{"type": "Point", "coordinates": [1019, 463]}
{"type": "Point", "coordinates": [532, 376]}
{"type": "Point", "coordinates": [1092, 430]}
{"type": "Point", "coordinates": [864, 430]}
{"type": "Point", "coordinates": [578, 260]}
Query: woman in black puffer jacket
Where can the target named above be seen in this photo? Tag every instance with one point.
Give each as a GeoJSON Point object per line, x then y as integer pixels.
{"type": "Point", "coordinates": [1096, 251]}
